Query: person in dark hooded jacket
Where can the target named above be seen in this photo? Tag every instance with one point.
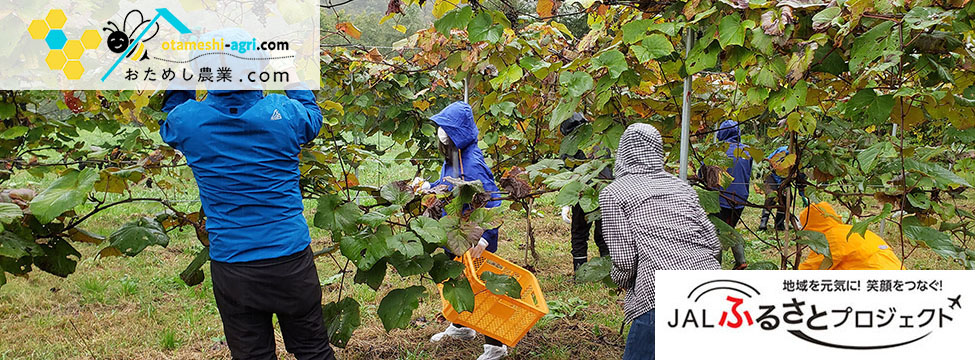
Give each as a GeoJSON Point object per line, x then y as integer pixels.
{"type": "Point", "coordinates": [575, 216]}
{"type": "Point", "coordinates": [734, 197]}
{"type": "Point", "coordinates": [651, 221]}
{"type": "Point", "coordinates": [457, 134]}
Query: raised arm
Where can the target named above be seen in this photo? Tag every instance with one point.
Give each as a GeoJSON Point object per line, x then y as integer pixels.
{"type": "Point", "coordinates": [309, 120]}
{"type": "Point", "coordinates": [618, 235]}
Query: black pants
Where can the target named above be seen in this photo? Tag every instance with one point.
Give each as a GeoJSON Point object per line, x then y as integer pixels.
{"type": "Point", "coordinates": [580, 237]}
{"type": "Point", "coordinates": [731, 217]}
{"type": "Point", "coordinates": [247, 294]}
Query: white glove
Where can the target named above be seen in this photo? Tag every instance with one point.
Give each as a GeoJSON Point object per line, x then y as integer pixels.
{"type": "Point", "coordinates": [478, 248]}
{"type": "Point", "coordinates": [419, 185]}
{"type": "Point", "coordinates": [566, 215]}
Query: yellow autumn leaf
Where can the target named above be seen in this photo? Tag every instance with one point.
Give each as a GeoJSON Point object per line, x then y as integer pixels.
{"type": "Point", "coordinates": [870, 129]}
{"type": "Point", "coordinates": [334, 106]}
{"type": "Point", "coordinates": [441, 7]}
{"type": "Point", "coordinates": [386, 18]}
{"type": "Point", "coordinates": [400, 28]}
{"type": "Point", "coordinates": [421, 105]}
{"type": "Point", "coordinates": [349, 29]}
{"type": "Point", "coordinates": [545, 8]}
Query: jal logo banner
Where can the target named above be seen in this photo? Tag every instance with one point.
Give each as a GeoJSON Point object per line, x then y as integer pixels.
{"type": "Point", "coordinates": [814, 314]}
{"type": "Point", "coordinates": [154, 45]}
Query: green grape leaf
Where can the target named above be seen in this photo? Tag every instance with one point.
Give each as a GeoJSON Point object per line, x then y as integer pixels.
{"type": "Point", "coordinates": [653, 47]}
{"type": "Point", "coordinates": [594, 270]}
{"type": "Point", "coordinates": [405, 243]}
{"type": "Point", "coordinates": [336, 215]}
{"type": "Point", "coordinates": [396, 308]}
{"type": "Point", "coordinates": [373, 219]}
{"type": "Point", "coordinates": [731, 31]}
{"type": "Point", "coordinates": [575, 84]}
{"type": "Point", "coordinates": [710, 200]}
{"type": "Point", "coordinates": [866, 105]}
{"type": "Point", "coordinates": [63, 195]}
{"type": "Point", "coordinates": [458, 293]}
{"type": "Point", "coordinates": [58, 257]}
{"type": "Point", "coordinates": [9, 212]}
{"type": "Point", "coordinates": [445, 268]}
{"type": "Point", "coordinates": [570, 143]}
{"type": "Point", "coordinates": [869, 156]}
{"type": "Point", "coordinates": [429, 230]}
{"type": "Point", "coordinates": [507, 77]}
{"type": "Point", "coordinates": [500, 284]}
{"type": "Point", "coordinates": [612, 60]}
{"type": "Point", "coordinates": [341, 319]}
{"type": "Point", "coordinates": [727, 235]}
{"type": "Point", "coordinates": [816, 241]}
{"type": "Point", "coordinates": [702, 57]}
{"type": "Point", "coordinates": [411, 266]}
{"type": "Point", "coordinates": [871, 45]}
{"type": "Point", "coordinates": [373, 276]}
{"type": "Point", "coordinates": [481, 28]}
{"type": "Point", "coordinates": [860, 227]}
{"type": "Point", "coordinates": [193, 274]}
{"type": "Point", "coordinates": [454, 19]}
{"type": "Point", "coordinates": [396, 193]}
{"type": "Point", "coordinates": [569, 194]}
{"type": "Point", "coordinates": [563, 111]}
{"type": "Point", "coordinates": [634, 31]}
{"type": "Point", "coordinates": [135, 236]}
{"type": "Point", "coordinates": [931, 238]}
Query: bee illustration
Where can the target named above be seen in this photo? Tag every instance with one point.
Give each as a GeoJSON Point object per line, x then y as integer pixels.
{"type": "Point", "coordinates": [120, 39]}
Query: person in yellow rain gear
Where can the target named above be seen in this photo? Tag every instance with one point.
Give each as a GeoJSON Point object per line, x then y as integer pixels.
{"type": "Point", "coordinates": [867, 252]}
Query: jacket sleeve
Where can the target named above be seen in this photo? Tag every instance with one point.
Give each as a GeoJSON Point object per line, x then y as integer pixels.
{"type": "Point", "coordinates": [491, 235]}
{"type": "Point", "coordinates": [622, 247]}
{"type": "Point", "coordinates": [309, 120]}
{"type": "Point", "coordinates": [168, 129]}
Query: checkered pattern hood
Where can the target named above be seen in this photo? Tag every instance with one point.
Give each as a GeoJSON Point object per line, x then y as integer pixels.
{"type": "Point", "coordinates": [652, 221]}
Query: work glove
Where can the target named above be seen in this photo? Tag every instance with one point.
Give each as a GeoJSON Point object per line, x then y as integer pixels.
{"type": "Point", "coordinates": [567, 214]}
{"type": "Point", "coordinates": [419, 185]}
{"type": "Point", "coordinates": [478, 248]}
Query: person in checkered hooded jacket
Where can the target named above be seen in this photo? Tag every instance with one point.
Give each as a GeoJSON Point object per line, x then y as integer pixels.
{"type": "Point", "coordinates": [651, 221]}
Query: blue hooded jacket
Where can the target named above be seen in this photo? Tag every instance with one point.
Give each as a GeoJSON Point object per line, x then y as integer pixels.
{"type": "Point", "coordinates": [457, 120]}
{"type": "Point", "coordinates": [243, 148]}
{"type": "Point", "coordinates": [741, 168]}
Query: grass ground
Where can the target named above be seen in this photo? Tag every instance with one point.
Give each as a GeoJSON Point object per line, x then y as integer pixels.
{"type": "Point", "coordinates": [138, 308]}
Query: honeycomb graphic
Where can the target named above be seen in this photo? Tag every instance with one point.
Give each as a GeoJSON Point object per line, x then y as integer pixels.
{"type": "Point", "coordinates": [64, 55]}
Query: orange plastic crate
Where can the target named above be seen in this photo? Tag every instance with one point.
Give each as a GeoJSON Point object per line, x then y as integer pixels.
{"type": "Point", "coordinates": [498, 316]}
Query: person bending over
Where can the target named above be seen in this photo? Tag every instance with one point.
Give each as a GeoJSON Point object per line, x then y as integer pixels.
{"type": "Point", "coordinates": [651, 221]}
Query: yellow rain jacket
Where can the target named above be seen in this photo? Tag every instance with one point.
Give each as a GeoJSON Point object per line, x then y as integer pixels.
{"type": "Point", "coordinates": [868, 252]}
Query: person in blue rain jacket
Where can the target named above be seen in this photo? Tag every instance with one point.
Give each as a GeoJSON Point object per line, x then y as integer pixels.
{"type": "Point", "coordinates": [243, 149]}
{"type": "Point", "coordinates": [734, 197]}
{"type": "Point", "coordinates": [457, 136]}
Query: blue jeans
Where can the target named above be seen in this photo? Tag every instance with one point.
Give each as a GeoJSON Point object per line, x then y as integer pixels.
{"type": "Point", "coordinates": [639, 342]}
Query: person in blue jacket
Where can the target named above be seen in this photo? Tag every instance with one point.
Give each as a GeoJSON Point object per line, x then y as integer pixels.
{"type": "Point", "coordinates": [243, 149]}
{"type": "Point", "coordinates": [733, 198]}
{"type": "Point", "coordinates": [457, 136]}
